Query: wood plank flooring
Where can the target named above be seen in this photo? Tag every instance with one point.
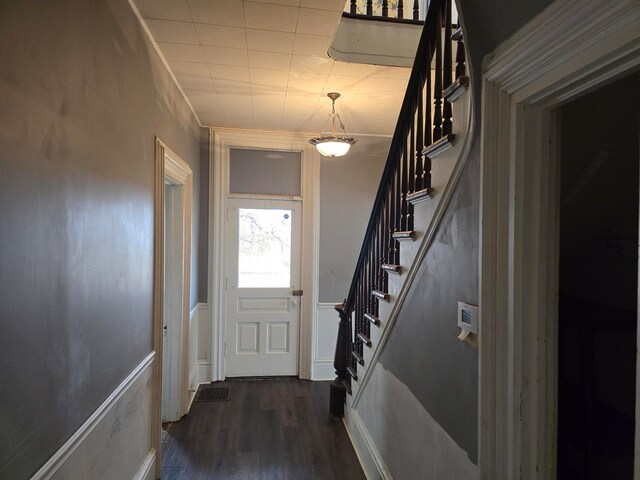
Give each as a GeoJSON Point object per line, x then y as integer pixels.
{"type": "Point", "coordinates": [277, 428]}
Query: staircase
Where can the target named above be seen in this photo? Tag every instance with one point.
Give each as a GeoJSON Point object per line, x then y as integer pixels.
{"type": "Point", "coordinates": [425, 157]}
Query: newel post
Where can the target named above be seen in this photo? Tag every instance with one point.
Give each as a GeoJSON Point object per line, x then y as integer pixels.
{"type": "Point", "coordinates": [338, 393]}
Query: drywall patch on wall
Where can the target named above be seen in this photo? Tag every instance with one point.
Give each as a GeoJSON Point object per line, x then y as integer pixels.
{"type": "Point", "coordinates": [410, 442]}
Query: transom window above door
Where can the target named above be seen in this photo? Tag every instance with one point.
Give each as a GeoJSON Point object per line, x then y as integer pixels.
{"type": "Point", "coordinates": [264, 172]}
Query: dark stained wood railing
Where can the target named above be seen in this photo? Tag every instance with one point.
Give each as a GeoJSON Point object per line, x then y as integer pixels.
{"type": "Point", "coordinates": [406, 177]}
{"type": "Point", "coordinates": [385, 11]}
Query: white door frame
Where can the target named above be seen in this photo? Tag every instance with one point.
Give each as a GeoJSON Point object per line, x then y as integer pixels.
{"type": "Point", "coordinates": [572, 47]}
{"type": "Point", "coordinates": [220, 142]}
{"type": "Point", "coordinates": [168, 165]}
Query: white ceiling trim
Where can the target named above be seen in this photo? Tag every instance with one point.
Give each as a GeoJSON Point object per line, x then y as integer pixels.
{"type": "Point", "coordinates": [162, 59]}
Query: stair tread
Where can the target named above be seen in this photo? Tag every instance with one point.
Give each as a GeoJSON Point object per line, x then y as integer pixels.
{"type": "Point", "coordinates": [358, 357]}
{"type": "Point", "coordinates": [372, 318]}
{"type": "Point", "coordinates": [380, 295]}
{"type": "Point", "coordinates": [456, 89]}
{"type": "Point", "coordinates": [364, 339]}
{"type": "Point", "coordinates": [352, 373]}
{"type": "Point", "coordinates": [420, 196]}
{"type": "Point", "coordinates": [405, 235]}
{"type": "Point", "coordinates": [436, 148]}
{"type": "Point", "coordinates": [388, 267]}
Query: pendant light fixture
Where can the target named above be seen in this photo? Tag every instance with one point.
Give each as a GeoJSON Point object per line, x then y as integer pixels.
{"type": "Point", "coordinates": [335, 145]}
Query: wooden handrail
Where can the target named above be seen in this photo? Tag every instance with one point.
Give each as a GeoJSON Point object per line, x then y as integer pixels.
{"type": "Point", "coordinates": [366, 10]}
{"type": "Point", "coordinates": [406, 175]}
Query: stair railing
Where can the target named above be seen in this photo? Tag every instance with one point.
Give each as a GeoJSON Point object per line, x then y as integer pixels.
{"type": "Point", "coordinates": [424, 126]}
{"type": "Point", "coordinates": [384, 10]}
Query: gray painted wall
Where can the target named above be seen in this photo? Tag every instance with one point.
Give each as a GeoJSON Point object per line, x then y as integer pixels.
{"type": "Point", "coordinates": [348, 186]}
{"type": "Point", "coordinates": [422, 351]}
{"type": "Point", "coordinates": [203, 222]}
{"type": "Point", "coordinates": [82, 94]}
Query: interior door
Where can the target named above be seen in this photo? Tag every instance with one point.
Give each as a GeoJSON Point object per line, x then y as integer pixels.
{"type": "Point", "coordinates": [173, 302]}
{"type": "Point", "coordinates": [263, 272]}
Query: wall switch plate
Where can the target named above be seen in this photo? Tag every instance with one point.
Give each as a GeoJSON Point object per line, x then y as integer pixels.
{"type": "Point", "coordinates": [468, 317]}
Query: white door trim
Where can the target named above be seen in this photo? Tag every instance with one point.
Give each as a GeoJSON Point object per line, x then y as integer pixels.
{"type": "Point", "coordinates": [169, 165]}
{"type": "Point", "coordinates": [220, 141]}
{"type": "Point", "coordinates": [571, 48]}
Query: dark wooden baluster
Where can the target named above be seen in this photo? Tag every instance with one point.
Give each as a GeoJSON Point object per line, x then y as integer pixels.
{"type": "Point", "coordinates": [384, 241]}
{"type": "Point", "coordinates": [460, 57]}
{"type": "Point", "coordinates": [419, 145]}
{"type": "Point", "coordinates": [353, 7]}
{"type": "Point", "coordinates": [416, 9]}
{"type": "Point", "coordinates": [400, 9]}
{"type": "Point", "coordinates": [437, 87]}
{"type": "Point", "coordinates": [447, 69]}
{"type": "Point", "coordinates": [397, 226]}
{"type": "Point", "coordinates": [369, 287]}
{"type": "Point", "coordinates": [363, 279]}
{"type": "Point", "coordinates": [412, 151]}
{"type": "Point", "coordinates": [404, 186]}
{"type": "Point", "coordinates": [374, 276]}
{"type": "Point", "coordinates": [426, 171]}
{"type": "Point", "coordinates": [411, 175]}
{"type": "Point", "coordinates": [385, 8]}
{"type": "Point", "coordinates": [369, 7]}
{"type": "Point", "coordinates": [394, 215]}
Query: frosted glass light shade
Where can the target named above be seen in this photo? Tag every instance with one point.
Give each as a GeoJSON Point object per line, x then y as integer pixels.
{"type": "Point", "coordinates": [332, 146]}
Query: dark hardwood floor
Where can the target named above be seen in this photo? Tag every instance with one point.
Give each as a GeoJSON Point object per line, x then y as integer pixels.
{"type": "Point", "coordinates": [277, 428]}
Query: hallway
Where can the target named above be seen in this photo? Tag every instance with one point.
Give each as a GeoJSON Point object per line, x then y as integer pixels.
{"type": "Point", "coordinates": [276, 428]}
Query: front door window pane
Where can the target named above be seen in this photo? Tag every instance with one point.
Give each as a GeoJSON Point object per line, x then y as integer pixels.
{"type": "Point", "coordinates": [264, 258]}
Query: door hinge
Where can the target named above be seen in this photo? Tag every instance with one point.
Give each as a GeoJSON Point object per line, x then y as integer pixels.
{"type": "Point", "coordinates": [225, 349]}
{"type": "Point", "coordinates": [226, 284]}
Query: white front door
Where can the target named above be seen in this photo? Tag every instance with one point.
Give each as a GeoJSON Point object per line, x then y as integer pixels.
{"type": "Point", "coordinates": [263, 270]}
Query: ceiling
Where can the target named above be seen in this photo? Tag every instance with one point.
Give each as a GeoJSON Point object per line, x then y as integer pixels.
{"type": "Point", "coordinates": [264, 65]}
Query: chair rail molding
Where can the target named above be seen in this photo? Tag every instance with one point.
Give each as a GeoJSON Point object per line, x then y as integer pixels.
{"type": "Point", "coordinates": [570, 48]}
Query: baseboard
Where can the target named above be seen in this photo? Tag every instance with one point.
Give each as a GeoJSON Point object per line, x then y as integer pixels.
{"type": "Point", "coordinates": [96, 438]}
{"type": "Point", "coordinates": [323, 370]}
{"type": "Point", "coordinates": [204, 371]}
{"type": "Point", "coordinates": [147, 469]}
{"type": "Point", "coordinates": [368, 455]}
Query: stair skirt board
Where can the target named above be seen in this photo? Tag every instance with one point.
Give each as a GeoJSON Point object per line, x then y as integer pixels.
{"type": "Point", "coordinates": [460, 149]}
{"type": "Point", "coordinates": [368, 455]}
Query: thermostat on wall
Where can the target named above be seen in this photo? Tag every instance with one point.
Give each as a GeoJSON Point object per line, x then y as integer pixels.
{"type": "Point", "coordinates": [468, 317]}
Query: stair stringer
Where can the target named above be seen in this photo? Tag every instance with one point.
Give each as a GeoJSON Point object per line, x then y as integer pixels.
{"type": "Point", "coordinates": [446, 168]}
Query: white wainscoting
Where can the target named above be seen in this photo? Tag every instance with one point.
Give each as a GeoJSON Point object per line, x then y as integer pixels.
{"type": "Point", "coordinates": [324, 342]}
{"type": "Point", "coordinates": [204, 344]}
{"type": "Point", "coordinates": [115, 442]}
{"type": "Point", "coordinates": [194, 340]}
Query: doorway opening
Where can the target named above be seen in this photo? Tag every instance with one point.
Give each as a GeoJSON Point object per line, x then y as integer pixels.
{"type": "Point", "coordinates": [598, 283]}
